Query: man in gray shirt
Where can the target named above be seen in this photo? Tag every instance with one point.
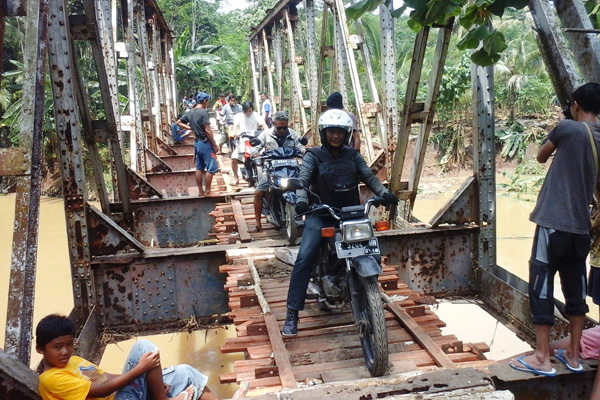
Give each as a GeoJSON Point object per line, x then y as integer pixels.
{"type": "Point", "coordinates": [562, 241]}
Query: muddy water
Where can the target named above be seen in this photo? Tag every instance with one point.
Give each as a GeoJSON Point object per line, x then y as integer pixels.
{"type": "Point", "coordinates": [200, 349]}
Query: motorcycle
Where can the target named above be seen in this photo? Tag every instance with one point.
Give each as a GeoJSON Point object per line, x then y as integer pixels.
{"type": "Point", "coordinates": [282, 170]}
{"type": "Point", "coordinates": [250, 168]}
{"type": "Point", "coordinates": [346, 272]}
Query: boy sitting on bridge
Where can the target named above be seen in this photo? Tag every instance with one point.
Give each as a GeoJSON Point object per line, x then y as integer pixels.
{"type": "Point", "coordinates": [64, 376]}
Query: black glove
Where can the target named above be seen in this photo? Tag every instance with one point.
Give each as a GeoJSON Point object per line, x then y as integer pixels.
{"type": "Point", "coordinates": [390, 198]}
{"type": "Point", "coordinates": [301, 207]}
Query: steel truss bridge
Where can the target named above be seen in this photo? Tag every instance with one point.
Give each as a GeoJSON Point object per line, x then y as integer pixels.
{"type": "Point", "coordinates": [135, 264]}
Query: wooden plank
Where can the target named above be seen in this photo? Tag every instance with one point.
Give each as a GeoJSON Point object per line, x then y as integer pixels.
{"type": "Point", "coordinates": [281, 355]}
{"type": "Point", "coordinates": [240, 221]}
{"type": "Point", "coordinates": [441, 358]}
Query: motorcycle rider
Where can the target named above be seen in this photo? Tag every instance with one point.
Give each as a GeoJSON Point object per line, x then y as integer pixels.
{"type": "Point", "coordinates": [227, 114]}
{"type": "Point", "coordinates": [280, 135]}
{"type": "Point", "coordinates": [247, 121]}
{"type": "Point", "coordinates": [332, 170]}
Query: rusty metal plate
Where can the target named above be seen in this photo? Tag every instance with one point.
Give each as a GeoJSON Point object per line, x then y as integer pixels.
{"type": "Point", "coordinates": [181, 162]}
{"type": "Point", "coordinates": [174, 184]}
{"type": "Point", "coordinates": [183, 149]}
{"type": "Point", "coordinates": [159, 290]}
{"type": "Point", "coordinates": [173, 222]}
{"type": "Point", "coordinates": [424, 258]}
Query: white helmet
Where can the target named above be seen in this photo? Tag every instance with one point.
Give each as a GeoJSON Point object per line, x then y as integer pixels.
{"type": "Point", "coordinates": [335, 119]}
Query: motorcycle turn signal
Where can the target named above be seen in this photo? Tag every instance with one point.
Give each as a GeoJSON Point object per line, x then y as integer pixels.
{"type": "Point", "coordinates": [328, 232]}
{"type": "Point", "coordinates": [382, 226]}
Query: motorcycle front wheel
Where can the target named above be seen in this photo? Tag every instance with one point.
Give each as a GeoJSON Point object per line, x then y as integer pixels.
{"type": "Point", "coordinates": [371, 324]}
{"type": "Point", "coordinates": [291, 228]}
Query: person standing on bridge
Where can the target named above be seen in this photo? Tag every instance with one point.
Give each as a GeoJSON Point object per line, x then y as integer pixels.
{"type": "Point", "coordinates": [266, 109]}
{"type": "Point", "coordinates": [562, 240]}
{"type": "Point", "coordinates": [205, 146]}
{"type": "Point", "coordinates": [323, 168]}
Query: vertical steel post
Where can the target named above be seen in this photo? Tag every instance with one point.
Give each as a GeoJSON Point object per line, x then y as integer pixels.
{"type": "Point", "coordinates": [484, 165]}
{"type": "Point", "coordinates": [278, 55]}
{"type": "Point", "coordinates": [269, 71]}
{"type": "Point", "coordinates": [255, 74]}
{"type": "Point", "coordinates": [71, 156]}
{"type": "Point", "coordinates": [339, 76]}
{"type": "Point", "coordinates": [149, 125]}
{"type": "Point", "coordinates": [137, 137]}
{"type": "Point", "coordinates": [300, 116]}
{"type": "Point", "coordinates": [388, 74]}
{"type": "Point", "coordinates": [353, 70]}
{"type": "Point", "coordinates": [19, 316]}
{"type": "Point", "coordinates": [313, 82]}
{"type": "Point", "coordinates": [315, 139]}
{"type": "Point", "coordinates": [366, 56]}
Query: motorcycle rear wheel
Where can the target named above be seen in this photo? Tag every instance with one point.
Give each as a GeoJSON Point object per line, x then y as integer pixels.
{"type": "Point", "coordinates": [291, 228]}
{"type": "Point", "coordinates": [371, 324]}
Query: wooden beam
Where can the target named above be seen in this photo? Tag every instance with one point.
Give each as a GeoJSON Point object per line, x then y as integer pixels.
{"type": "Point", "coordinates": [420, 336]}
{"type": "Point", "coordinates": [238, 215]}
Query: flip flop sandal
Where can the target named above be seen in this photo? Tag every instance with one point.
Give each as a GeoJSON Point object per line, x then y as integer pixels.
{"type": "Point", "coordinates": [560, 356]}
{"type": "Point", "coordinates": [524, 367]}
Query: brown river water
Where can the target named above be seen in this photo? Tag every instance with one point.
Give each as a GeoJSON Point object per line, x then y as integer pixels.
{"type": "Point", "coordinates": [201, 348]}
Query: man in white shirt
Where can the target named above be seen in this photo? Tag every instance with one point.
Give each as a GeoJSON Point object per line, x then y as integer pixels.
{"type": "Point", "coordinates": [246, 121]}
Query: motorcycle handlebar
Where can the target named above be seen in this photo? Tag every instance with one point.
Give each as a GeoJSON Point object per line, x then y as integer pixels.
{"type": "Point", "coordinates": [375, 201]}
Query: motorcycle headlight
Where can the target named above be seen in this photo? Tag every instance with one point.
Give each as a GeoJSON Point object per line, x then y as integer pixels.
{"type": "Point", "coordinates": [357, 231]}
{"type": "Point", "coordinates": [283, 182]}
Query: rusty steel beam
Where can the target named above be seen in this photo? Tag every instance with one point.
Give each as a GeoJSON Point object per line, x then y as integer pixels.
{"type": "Point", "coordinates": [98, 15]}
{"type": "Point", "coordinates": [584, 45]}
{"type": "Point", "coordinates": [275, 13]}
{"type": "Point", "coordinates": [484, 165]}
{"type": "Point", "coordinates": [143, 51]}
{"type": "Point", "coordinates": [388, 75]}
{"type": "Point", "coordinates": [314, 90]}
{"type": "Point", "coordinates": [70, 152]}
{"type": "Point", "coordinates": [19, 317]}
{"type": "Point", "coordinates": [555, 51]}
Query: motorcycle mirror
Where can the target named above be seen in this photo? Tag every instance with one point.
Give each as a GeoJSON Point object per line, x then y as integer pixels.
{"type": "Point", "coordinates": [254, 142]}
{"type": "Point", "coordinates": [303, 141]}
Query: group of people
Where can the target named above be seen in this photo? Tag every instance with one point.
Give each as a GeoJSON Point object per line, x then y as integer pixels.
{"type": "Point", "coordinates": [562, 237]}
{"type": "Point", "coordinates": [234, 118]}
{"type": "Point", "coordinates": [561, 244]}
{"type": "Point", "coordinates": [66, 376]}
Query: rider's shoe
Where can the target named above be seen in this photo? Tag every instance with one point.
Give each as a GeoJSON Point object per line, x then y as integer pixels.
{"type": "Point", "coordinates": [290, 327]}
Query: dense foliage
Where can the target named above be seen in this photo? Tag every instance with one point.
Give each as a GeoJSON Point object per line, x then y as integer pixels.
{"type": "Point", "coordinates": [211, 54]}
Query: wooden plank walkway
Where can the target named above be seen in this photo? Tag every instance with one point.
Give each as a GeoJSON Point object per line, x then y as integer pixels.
{"type": "Point", "coordinates": [327, 347]}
